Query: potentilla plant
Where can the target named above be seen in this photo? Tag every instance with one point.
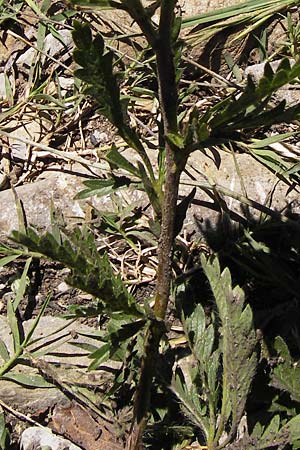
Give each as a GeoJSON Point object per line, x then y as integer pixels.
{"type": "Point", "coordinates": [179, 134]}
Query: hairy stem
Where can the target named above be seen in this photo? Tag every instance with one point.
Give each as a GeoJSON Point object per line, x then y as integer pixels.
{"type": "Point", "coordinates": [174, 164]}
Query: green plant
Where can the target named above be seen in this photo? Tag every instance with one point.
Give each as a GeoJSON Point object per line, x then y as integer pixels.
{"type": "Point", "coordinates": [225, 351]}
{"type": "Point", "coordinates": [4, 433]}
{"type": "Point", "coordinates": [180, 132]}
{"type": "Point", "coordinates": [290, 45]}
{"type": "Point", "coordinates": [217, 126]}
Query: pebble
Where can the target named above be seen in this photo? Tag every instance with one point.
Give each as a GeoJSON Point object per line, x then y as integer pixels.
{"type": "Point", "coordinates": [98, 137]}
{"type": "Point", "coordinates": [35, 438]}
{"type": "Point", "coordinates": [63, 287]}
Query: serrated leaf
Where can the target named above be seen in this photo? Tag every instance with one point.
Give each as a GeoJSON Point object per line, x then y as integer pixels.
{"type": "Point", "coordinates": [189, 402]}
{"type": "Point", "coordinates": [82, 35]}
{"type": "Point", "coordinates": [238, 339]}
{"type": "Point", "coordinates": [212, 372]}
{"type": "Point", "coordinates": [90, 271]}
{"type": "Point", "coordinates": [293, 427]}
{"type": "Point", "coordinates": [268, 71]}
{"type": "Point", "coordinates": [196, 324]}
{"type": "Point", "coordinates": [271, 430]}
{"type": "Point", "coordinates": [286, 375]}
{"type": "Point", "coordinates": [98, 74]}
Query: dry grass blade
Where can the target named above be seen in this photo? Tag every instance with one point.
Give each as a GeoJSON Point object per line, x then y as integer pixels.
{"type": "Point", "coordinates": [251, 14]}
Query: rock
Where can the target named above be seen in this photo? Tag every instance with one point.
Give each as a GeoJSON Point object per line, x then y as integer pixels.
{"type": "Point", "coordinates": [98, 137]}
{"type": "Point", "coordinates": [35, 438]}
{"type": "Point", "coordinates": [52, 46]}
{"type": "Point", "coordinates": [289, 93]}
{"type": "Point", "coordinates": [258, 181]}
{"type": "Point", "coordinates": [63, 287]}
{"type": "Point", "coordinates": [56, 336]}
{"type": "Point", "coordinates": [37, 198]}
{"type": "Point", "coordinates": [55, 47]}
{"type": "Point", "coordinates": [53, 188]}
{"type": "Point", "coordinates": [77, 424]}
{"type": "Point", "coordinates": [60, 188]}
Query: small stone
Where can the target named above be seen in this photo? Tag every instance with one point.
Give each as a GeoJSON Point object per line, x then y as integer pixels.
{"type": "Point", "coordinates": [66, 84]}
{"type": "Point", "coordinates": [63, 287]}
{"type": "Point", "coordinates": [97, 137]}
{"type": "Point", "coordinates": [36, 437]}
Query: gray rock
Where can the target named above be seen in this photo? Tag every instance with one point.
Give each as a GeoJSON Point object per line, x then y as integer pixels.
{"type": "Point", "coordinates": [37, 197]}
{"type": "Point", "coordinates": [36, 438]}
{"type": "Point", "coordinates": [258, 181]}
{"type": "Point", "coordinates": [56, 336]}
{"type": "Point", "coordinates": [60, 188]}
{"type": "Point", "coordinates": [55, 47]}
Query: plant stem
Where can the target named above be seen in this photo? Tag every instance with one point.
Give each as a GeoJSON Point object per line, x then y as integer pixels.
{"type": "Point", "coordinates": [174, 163]}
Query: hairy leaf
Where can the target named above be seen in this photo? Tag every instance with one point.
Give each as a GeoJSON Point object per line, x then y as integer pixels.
{"type": "Point", "coordinates": [237, 343]}
{"type": "Point", "coordinates": [286, 374]}
{"type": "Point", "coordinates": [90, 271]}
{"type": "Point", "coordinates": [97, 72]}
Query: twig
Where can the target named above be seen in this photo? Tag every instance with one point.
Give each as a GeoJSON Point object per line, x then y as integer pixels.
{"type": "Point", "coordinates": [213, 74]}
{"type": "Point", "coordinates": [20, 415]}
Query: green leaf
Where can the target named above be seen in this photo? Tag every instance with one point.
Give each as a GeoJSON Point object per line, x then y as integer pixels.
{"type": "Point", "coordinates": [196, 325]}
{"type": "Point", "coordinates": [98, 74]}
{"type": "Point", "coordinates": [4, 434]}
{"type": "Point", "coordinates": [22, 285]}
{"type": "Point", "coordinates": [4, 353]}
{"type": "Point", "coordinates": [189, 402]}
{"type": "Point", "coordinates": [238, 340]}
{"type": "Point", "coordinates": [90, 271]}
{"type": "Point", "coordinates": [82, 36]}
{"type": "Point", "coordinates": [116, 158]}
{"type": "Point", "coordinates": [149, 189]}
{"type": "Point", "coordinates": [36, 320]}
{"type": "Point", "coordinates": [30, 381]}
{"type": "Point", "coordinates": [102, 187]}
{"type": "Point", "coordinates": [101, 355]}
{"type": "Point", "coordinates": [7, 259]}
{"type": "Point", "coordinates": [14, 325]}
{"type": "Point", "coordinates": [261, 143]}
{"type": "Point", "coordinates": [176, 139]}
{"type": "Point", "coordinates": [272, 429]}
{"type": "Point", "coordinates": [293, 427]}
{"type": "Point", "coordinates": [286, 374]}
